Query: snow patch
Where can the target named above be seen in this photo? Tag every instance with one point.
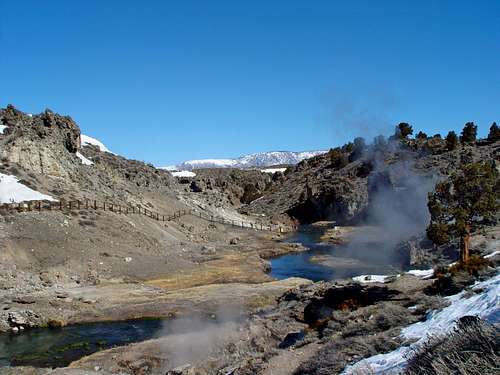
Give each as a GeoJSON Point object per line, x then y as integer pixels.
{"type": "Point", "coordinates": [371, 278]}
{"type": "Point", "coordinates": [170, 168]}
{"type": "Point", "coordinates": [273, 170]}
{"type": "Point", "coordinates": [485, 304]}
{"type": "Point", "coordinates": [492, 254]}
{"type": "Point", "coordinates": [2, 128]}
{"type": "Point", "coordinates": [183, 174]}
{"type": "Point", "coordinates": [12, 191]}
{"type": "Point", "coordinates": [423, 274]}
{"type": "Point", "coordinates": [86, 140]}
{"type": "Point", "coordinates": [84, 160]}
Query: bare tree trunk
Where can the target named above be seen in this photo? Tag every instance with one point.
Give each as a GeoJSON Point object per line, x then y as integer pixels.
{"type": "Point", "coordinates": [464, 245]}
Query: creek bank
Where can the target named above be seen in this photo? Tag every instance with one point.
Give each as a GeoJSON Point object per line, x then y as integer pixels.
{"type": "Point", "coordinates": [314, 314]}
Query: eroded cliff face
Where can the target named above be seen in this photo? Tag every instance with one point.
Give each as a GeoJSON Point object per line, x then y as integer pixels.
{"type": "Point", "coordinates": [44, 144]}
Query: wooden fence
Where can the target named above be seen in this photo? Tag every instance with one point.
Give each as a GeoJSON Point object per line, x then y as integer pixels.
{"type": "Point", "coordinates": [64, 205]}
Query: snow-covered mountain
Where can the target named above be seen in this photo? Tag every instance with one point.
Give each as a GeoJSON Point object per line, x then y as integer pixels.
{"type": "Point", "coordinates": [261, 159]}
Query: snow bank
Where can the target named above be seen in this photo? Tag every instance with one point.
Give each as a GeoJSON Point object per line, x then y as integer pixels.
{"type": "Point", "coordinates": [273, 170]}
{"type": "Point", "coordinates": [183, 174]}
{"type": "Point", "coordinates": [371, 278]}
{"type": "Point", "coordinates": [86, 140]}
{"type": "Point", "coordinates": [423, 274]}
{"type": "Point", "coordinates": [492, 254]}
{"type": "Point", "coordinates": [169, 168]}
{"type": "Point", "coordinates": [2, 128]}
{"type": "Point", "coordinates": [84, 160]}
{"type": "Point", "coordinates": [12, 191]}
{"type": "Point", "coordinates": [485, 304]}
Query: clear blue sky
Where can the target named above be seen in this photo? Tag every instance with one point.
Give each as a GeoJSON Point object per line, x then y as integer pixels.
{"type": "Point", "coordinates": [165, 81]}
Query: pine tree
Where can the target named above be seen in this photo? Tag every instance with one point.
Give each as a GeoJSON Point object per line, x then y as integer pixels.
{"type": "Point", "coordinates": [451, 141]}
{"type": "Point", "coordinates": [494, 134]}
{"type": "Point", "coordinates": [359, 146]}
{"type": "Point", "coordinates": [421, 135]}
{"type": "Point", "coordinates": [469, 133]}
{"type": "Point", "coordinates": [403, 130]}
{"type": "Point", "coordinates": [466, 198]}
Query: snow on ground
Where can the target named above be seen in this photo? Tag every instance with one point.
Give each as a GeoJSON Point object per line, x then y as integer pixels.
{"type": "Point", "coordinates": [371, 278]}
{"type": "Point", "coordinates": [485, 304]}
{"type": "Point", "coordinates": [209, 163]}
{"type": "Point", "coordinates": [273, 170]}
{"type": "Point", "coordinates": [183, 174]}
{"type": "Point", "coordinates": [492, 254]}
{"type": "Point", "coordinates": [170, 168]}
{"type": "Point", "coordinates": [12, 191]}
{"type": "Point", "coordinates": [86, 140]}
{"type": "Point", "coordinates": [2, 128]}
{"type": "Point", "coordinates": [423, 274]}
{"type": "Point", "coordinates": [84, 160]}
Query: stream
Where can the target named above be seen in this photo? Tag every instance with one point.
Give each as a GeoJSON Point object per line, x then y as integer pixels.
{"type": "Point", "coordinates": [324, 261]}
{"type": "Point", "coordinates": [42, 347]}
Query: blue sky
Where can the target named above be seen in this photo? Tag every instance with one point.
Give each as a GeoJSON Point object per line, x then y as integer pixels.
{"type": "Point", "coordinates": [165, 81]}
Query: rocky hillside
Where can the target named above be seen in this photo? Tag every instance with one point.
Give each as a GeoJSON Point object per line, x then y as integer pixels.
{"type": "Point", "coordinates": [45, 151]}
{"type": "Point", "coordinates": [337, 186]}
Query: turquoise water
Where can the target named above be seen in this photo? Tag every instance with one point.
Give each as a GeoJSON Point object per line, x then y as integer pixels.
{"type": "Point", "coordinates": [44, 347]}
{"type": "Point", "coordinates": [363, 257]}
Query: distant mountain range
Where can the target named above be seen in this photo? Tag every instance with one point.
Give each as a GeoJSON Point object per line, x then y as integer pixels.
{"type": "Point", "coordinates": [261, 159]}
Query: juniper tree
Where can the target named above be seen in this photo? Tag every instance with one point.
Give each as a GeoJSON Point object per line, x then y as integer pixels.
{"type": "Point", "coordinates": [469, 133]}
{"type": "Point", "coordinates": [421, 135]}
{"type": "Point", "coordinates": [494, 134]}
{"type": "Point", "coordinates": [451, 141]}
{"type": "Point", "coordinates": [358, 148]}
{"type": "Point", "coordinates": [403, 130]}
{"type": "Point", "coordinates": [465, 199]}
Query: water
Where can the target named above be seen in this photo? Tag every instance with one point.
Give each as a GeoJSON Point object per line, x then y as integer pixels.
{"type": "Point", "coordinates": [43, 347]}
{"type": "Point", "coordinates": [343, 261]}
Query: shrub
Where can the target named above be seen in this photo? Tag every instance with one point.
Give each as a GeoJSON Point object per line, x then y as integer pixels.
{"type": "Point", "coordinates": [338, 159]}
{"type": "Point", "coordinates": [358, 148]}
{"type": "Point", "coordinates": [421, 135]}
{"type": "Point", "coordinates": [472, 266]}
{"type": "Point", "coordinates": [470, 349]}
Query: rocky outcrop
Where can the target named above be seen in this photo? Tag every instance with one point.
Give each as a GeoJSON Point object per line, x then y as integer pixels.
{"type": "Point", "coordinates": [229, 187]}
{"type": "Point", "coordinates": [45, 152]}
{"type": "Point", "coordinates": [329, 187]}
{"type": "Point", "coordinates": [45, 143]}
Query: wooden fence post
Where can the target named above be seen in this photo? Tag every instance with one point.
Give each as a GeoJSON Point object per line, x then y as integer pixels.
{"type": "Point", "coordinates": [60, 205]}
{"type": "Point", "coordinates": [39, 206]}
{"type": "Point", "coordinates": [104, 206]}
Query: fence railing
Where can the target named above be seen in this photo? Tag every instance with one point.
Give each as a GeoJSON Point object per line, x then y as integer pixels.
{"type": "Point", "coordinates": [64, 205]}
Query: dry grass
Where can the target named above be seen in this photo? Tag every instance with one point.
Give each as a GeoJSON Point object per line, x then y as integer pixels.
{"type": "Point", "coordinates": [471, 349]}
